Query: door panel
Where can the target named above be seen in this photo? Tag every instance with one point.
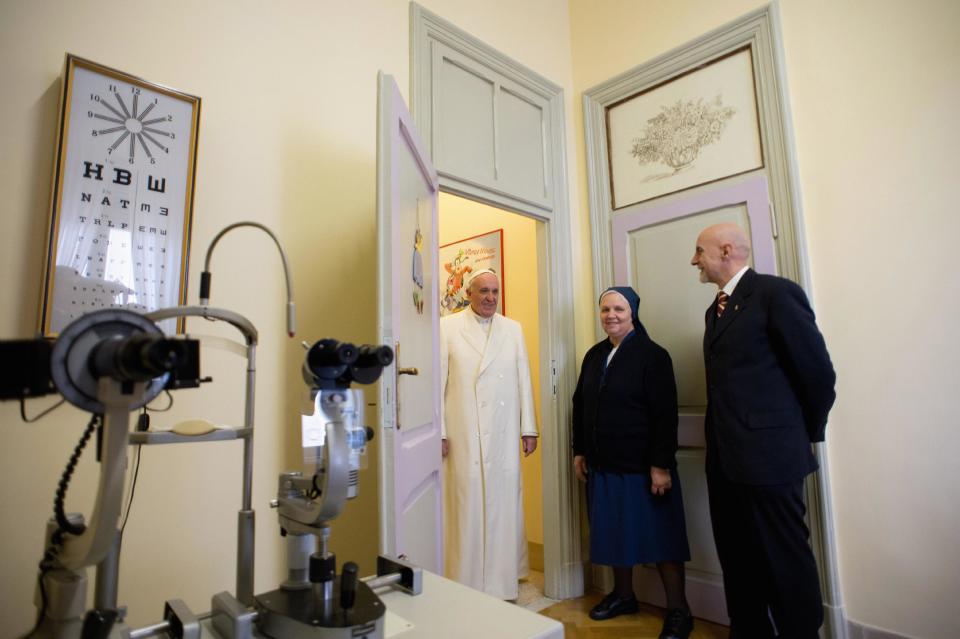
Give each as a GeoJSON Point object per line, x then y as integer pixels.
{"type": "Point", "coordinates": [407, 187]}
{"type": "Point", "coordinates": [489, 129]}
{"type": "Point", "coordinates": [676, 317]}
{"type": "Point", "coordinates": [652, 248]}
{"type": "Point", "coordinates": [464, 128]}
{"type": "Point", "coordinates": [522, 169]}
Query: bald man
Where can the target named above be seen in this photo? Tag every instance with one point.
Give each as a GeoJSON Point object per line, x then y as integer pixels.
{"type": "Point", "coordinates": [488, 416]}
{"type": "Point", "coordinates": [770, 386]}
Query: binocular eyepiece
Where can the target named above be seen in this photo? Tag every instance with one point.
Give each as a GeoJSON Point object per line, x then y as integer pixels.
{"type": "Point", "coordinates": [333, 364]}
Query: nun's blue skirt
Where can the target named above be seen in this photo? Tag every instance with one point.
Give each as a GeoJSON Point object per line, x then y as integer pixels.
{"type": "Point", "coordinates": [629, 526]}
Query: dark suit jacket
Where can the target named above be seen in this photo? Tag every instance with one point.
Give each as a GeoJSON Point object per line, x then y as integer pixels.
{"type": "Point", "coordinates": [626, 421]}
{"type": "Point", "coordinates": [770, 383]}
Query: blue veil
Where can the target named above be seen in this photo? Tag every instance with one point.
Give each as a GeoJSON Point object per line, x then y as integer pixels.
{"type": "Point", "coordinates": [634, 301]}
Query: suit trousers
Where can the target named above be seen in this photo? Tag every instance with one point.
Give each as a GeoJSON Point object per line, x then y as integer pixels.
{"type": "Point", "coordinates": [768, 567]}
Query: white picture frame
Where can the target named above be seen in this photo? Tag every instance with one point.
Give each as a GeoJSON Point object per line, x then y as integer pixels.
{"type": "Point", "coordinates": [694, 128]}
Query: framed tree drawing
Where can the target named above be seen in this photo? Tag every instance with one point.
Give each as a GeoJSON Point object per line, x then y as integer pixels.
{"type": "Point", "coordinates": [697, 127]}
{"type": "Point", "coordinates": [459, 259]}
{"type": "Point", "coordinates": [122, 197]}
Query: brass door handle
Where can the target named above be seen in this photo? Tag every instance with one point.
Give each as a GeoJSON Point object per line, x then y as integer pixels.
{"type": "Point", "coordinates": [407, 371]}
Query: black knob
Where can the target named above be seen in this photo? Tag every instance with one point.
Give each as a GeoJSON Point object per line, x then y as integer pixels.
{"type": "Point", "coordinates": [348, 585]}
{"type": "Point", "coordinates": [98, 623]}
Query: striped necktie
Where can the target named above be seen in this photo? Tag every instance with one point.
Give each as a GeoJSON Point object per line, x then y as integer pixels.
{"type": "Point", "coordinates": [721, 303]}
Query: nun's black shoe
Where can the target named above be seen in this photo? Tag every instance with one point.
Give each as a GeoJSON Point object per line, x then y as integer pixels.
{"type": "Point", "coordinates": [614, 605]}
{"type": "Point", "coordinates": [677, 624]}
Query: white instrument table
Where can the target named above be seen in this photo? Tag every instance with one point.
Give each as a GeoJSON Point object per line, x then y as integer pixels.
{"type": "Point", "coordinates": [446, 609]}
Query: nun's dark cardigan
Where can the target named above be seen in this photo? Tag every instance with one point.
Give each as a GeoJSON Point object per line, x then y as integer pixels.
{"type": "Point", "coordinates": [625, 420]}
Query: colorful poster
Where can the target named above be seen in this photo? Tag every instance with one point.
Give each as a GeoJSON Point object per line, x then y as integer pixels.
{"type": "Point", "coordinates": [459, 259]}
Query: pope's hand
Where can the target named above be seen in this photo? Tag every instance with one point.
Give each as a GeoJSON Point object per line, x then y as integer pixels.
{"type": "Point", "coordinates": [529, 445]}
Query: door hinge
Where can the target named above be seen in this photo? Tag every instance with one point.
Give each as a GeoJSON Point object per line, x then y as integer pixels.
{"type": "Point", "coordinates": [553, 376]}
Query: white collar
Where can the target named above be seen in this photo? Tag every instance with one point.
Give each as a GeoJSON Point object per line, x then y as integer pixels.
{"type": "Point", "coordinates": [483, 321]}
{"type": "Point", "coordinates": [732, 284]}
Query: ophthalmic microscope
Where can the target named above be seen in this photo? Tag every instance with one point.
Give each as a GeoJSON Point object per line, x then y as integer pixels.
{"type": "Point", "coordinates": [314, 601]}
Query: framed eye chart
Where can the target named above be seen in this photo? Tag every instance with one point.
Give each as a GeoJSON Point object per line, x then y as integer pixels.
{"type": "Point", "coordinates": [122, 197]}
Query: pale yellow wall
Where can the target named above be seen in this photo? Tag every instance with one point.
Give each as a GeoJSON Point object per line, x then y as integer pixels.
{"type": "Point", "coordinates": [287, 138]}
{"type": "Point", "coordinates": [875, 100]}
{"type": "Point", "coordinates": [461, 218]}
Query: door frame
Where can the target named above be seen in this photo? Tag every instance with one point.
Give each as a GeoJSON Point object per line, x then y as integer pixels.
{"type": "Point", "coordinates": [563, 564]}
{"type": "Point", "coordinates": [759, 29]}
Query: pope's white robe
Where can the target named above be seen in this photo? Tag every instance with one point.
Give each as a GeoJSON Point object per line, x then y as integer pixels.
{"type": "Point", "coordinates": [488, 406]}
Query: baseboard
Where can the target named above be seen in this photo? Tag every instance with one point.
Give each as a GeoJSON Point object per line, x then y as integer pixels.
{"type": "Point", "coordinates": [565, 582]}
{"type": "Point", "coordinates": [860, 631]}
{"type": "Point", "coordinates": [834, 623]}
{"type": "Point", "coordinates": [601, 578]}
{"type": "Point", "coordinates": [535, 556]}
{"type": "Point", "coordinates": [703, 592]}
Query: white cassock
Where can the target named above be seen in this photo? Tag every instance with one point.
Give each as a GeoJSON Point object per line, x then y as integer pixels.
{"type": "Point", "coordinates": [487, 406]}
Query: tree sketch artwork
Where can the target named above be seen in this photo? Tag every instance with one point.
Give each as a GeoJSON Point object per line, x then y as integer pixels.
{"type": "Point", "coordinates": [693, 128]}
{"type": "Point", "coordinates": [676, 135]}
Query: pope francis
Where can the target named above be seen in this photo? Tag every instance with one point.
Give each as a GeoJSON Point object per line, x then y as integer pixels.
{"type": "Point", "coordinates": [487, 414]}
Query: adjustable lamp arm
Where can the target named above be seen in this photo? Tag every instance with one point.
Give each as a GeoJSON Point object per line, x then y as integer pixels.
{"type": "Point", "coordinates": [205, 276]}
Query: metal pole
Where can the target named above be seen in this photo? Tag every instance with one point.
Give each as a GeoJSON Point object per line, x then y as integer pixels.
{"type": "Point", "coordinates": [246, 518]}
{"type": "Point", "coordinates": [108, 578]}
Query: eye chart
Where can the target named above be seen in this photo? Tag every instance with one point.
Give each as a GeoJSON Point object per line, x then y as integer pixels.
{"type": "Point", "coordinates": [122, 196]}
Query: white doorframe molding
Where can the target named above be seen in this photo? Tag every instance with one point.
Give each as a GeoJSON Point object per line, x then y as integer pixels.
{"type": "Point", "coordinates": [563, 565]}
{"type": "Point", "coordinates": [761, 30]}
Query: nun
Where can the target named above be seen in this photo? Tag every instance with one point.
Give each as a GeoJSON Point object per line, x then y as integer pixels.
{"type": "Point", "coordinates": [624, 446]}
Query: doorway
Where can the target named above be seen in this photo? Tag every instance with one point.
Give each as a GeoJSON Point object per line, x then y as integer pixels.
{"type": "Point", "coordinates": [458, 220]}
{"type": "Point", "coordinates": [507, 148]}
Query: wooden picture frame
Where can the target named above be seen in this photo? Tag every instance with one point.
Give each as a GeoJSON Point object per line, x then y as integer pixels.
{"type": "Point", "coordinates": [122, 196]}
{"type": "Point", "coordinates": [697, 127]}
{"type": "Point", "coordinates": [458, 259]}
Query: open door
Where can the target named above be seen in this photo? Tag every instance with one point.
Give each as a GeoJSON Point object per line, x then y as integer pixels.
{"type": "Point", "coordinates": [411, 519]}
{"type": "Point", "coordinates": [652, 246]}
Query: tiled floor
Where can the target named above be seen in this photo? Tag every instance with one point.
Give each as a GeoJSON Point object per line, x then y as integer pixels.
{"type": "Point", "coordinates": [531, 593]}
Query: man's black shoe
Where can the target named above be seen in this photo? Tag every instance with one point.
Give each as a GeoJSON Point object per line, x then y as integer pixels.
{"type": "Point", "coordinates": [677, 624]}
{"type": "Point", "coordinates": [613, 606]}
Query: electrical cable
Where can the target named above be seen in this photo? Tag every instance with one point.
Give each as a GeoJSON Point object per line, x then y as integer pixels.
{"type": "Point", "coordinates": [143, 423]}
{"type": "Point", "coordinates": [133, 489]}
{"type": "Point", "coordinates": [23, 410]}
{"type": "Point", "coordinates": [162, 410]}
{"type": "Point", "coordinates": [63, 524]}
{"type": "Point", "coordinates": [58, 512]}
{"type": "Point", "coordinates": [46, 565]}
